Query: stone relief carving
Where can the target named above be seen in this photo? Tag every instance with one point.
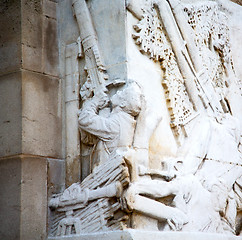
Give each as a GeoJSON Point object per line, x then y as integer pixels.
{"type": "Point", "coordinates": [203, 183]}
{"type": "Point", "coordinates": [107, 125]}
{"type": "Point", "coordinates": [192, 45]}
{"type": "Point", "coordinates": [152, 40]}
{"type": "Point", "coordinates": [200, 188]}
{"type": "Point", "coordinates": [113, 137]}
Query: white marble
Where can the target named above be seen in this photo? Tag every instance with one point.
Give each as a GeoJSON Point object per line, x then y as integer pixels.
{"type": "Point", "coordinates": [165, 144]}
{"type": "Point", "coordinates": [191, 43]}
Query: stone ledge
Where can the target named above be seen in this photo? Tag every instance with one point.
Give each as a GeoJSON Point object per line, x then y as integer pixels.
{"type": "Point", "coordinates": [147, 235]}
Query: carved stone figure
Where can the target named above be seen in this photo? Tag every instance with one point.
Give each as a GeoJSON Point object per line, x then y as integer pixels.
{"type": "Point", "coordinates": [117, 130]}
{"type": "Point", "coordinates": [197, 186]}
{"type": "Point", "coordinates": [204, 181]}
{"type": "Point", "coordinates": [110, 175]}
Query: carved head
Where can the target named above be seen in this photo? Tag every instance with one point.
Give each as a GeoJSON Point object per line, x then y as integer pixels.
{"type": "Point", "coordinates": [129, 99]}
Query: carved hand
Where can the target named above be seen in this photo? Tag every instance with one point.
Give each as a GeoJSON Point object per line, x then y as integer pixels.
{"type": "Point", "coordinates": [102, 99]}
{"type": "Point", "coordinates": [86, 90]}
{"type": "Point", "coordinates": [177, 220]}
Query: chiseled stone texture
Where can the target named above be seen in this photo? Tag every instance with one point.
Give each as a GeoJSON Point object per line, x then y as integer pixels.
{"type": "Point", "coordinates": [23, 205]}
{"type": "Point", "coordinates": [146, 235]}
{"type": "Point", "coordinates": [234, 21]}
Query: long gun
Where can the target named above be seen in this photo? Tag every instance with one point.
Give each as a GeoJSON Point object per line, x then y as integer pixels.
{"type": "Point", "coordinates": [95, 66]}
{"type": "Point", "coordinates": [179, 36]}
{"type": "Point", "coordinates": [208, 93]}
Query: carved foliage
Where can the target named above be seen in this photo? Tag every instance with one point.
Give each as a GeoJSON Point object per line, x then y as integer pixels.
{"type": "Point", "coordinates": [212, 38]}
{"type": "Point", "coordinates": [151, 37]}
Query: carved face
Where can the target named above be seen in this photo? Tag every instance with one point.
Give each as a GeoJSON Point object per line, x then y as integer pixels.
{"type": "Point", "coordinates": [128, 99]}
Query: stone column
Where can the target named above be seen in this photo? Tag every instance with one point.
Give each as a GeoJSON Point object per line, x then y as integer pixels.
{"type": "Point", "coordinates": [31, 159]}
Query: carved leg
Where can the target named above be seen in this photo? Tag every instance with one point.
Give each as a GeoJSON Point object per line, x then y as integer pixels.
{"type": "Point", "coordinates": [154, 188]}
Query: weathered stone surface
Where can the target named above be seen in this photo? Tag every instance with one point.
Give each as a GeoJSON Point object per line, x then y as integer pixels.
{"type": "Point", "coordinates": [67, 25]}
{"type": "Point", "coordinates": [50, 47]}
{"type": "Point", "coordinates": [10, 36]}
{"type": "Point", "coordinates": [10, 200]}
{"type": "Point", "coordinates": [73, 172]}
{"type": "Point", "coordinates": [42, 131]}
{"type": "Point", "coordinates": [23, 182]}
{"type": "Point", "coordinates": [29, 53]}
{"type": "Point", "coordinates": [10, 114]}
{"type": "Point", "coordinates": [85, 164]}
{"type": "Point", "coordinates": [33, 198]}
{"type": "Point", "coordinates": [50, 8]}
{"type": "Point", "coordinates": [68, 65]}
{"type": "Point", "coordinates": [39, 37]}
{"type": "Point", "coordinates": [117, 71]}
{"type": "Point", "coordinates": [56, 176]}
{"type": "Point", "coordinates": [32, 123]}
{"type": "Point", "coordinates": [32, 35]}
{"type": "Point", "coordinates": [30, 115]}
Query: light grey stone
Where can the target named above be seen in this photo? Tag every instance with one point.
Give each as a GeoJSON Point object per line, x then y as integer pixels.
{"type": "Point", "coordinates": [72, 143]}
{"type": "Point", "coordinates": [109, 22]}
{"type": "Point", "coordinates": [67, 25]}
{"type": "Point", "coordinates": [117, 71]}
